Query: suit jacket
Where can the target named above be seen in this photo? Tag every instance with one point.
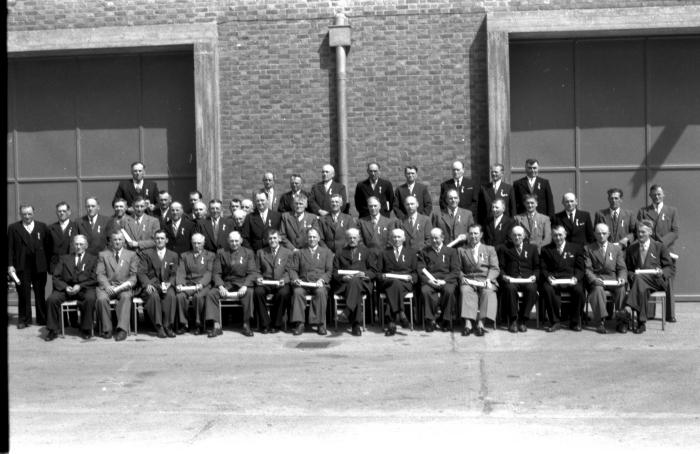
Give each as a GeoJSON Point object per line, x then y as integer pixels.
{"type": "Point", "coordinates": [255, 230]}
{"type": "Point", "coordinates": [407, 262]}
{"type": "Point", "coordinates": [273, 202]}
{"type": "Point", "coordinates": [214, 242]}
{"type": "Point", "coordinates": [193, 270]}
{"type": "Point", "coordinates": [333, 233]}
{"type": "Point", "coordinates": [580, 231]}
{"type": "Point", "coordinates": [127, 223]}
{"type": "Point", "coordinates": [319, 199]}
{"type": "Point", "coordinates": [466, 192]}
{"type": "Point", "coordinates": [359, 259]}
{"type": "Point", "coordinates": [420, 192]}
{"type": "Point", "coordinates": [96, 235]}
{"type": "Point", "coordinates": [442, 265]}
{"type": "Point", "coordinates": [657, 257]}
{"type": "Point", "coordinates": [485, 267]}
{"type": "Point", "coordinates": [376, 237]}
{"type": "Point", "coordinates": [181, 240]}
{"type": "Point", "coordinates": [144, 233]}
{"type": "Point", "coordinates": [486, 197]}
{"type": "Point", "coordinates": [271, 266]}
{"type": "Point", "coordinates": [26, 252]}
{"type": "Point", "coordinates": [604, 264]}
{"type": "Point", "coordinates": [111, 273]}
{"type": "Point", "coordinates": [665, 223]}
{"type": "Point", "coordinates": [154, 271]}
{"type": "Point", "coordinates": [294, 232]}
{"type": "Point", "coordinates": [451, 226]}
{"type": "Point", "coordinates": [383, 191]}
{"type": "Point", "coordinates": [498, 235]}
{"type": "Point", "coordinates": [418, 235]}
{"type": "Point", "coordinates": [562, 266]}
{"type": "Point", "coordinates": [310, 267]}
{"type": "Point", "coordinates": [538, 231]}
{"type": "Point", "coordinates": [287, 202]}
{"type": "Point", "coordinates": [126, 191]}
{"type": "Point", "coordinates": [163, 218]}
{"type": "Point", "coordinates": [524, 265]}
{"type": "Point", "coordinates": [625, 227]}
{"type": "Point", "coordinates": [67, 273]}
{"type": "Point", "coordinates": [234, 267]}
{"type": "Point", "coordinates": [541, 189]}
{"type": "Point", "coordinates": [61, 241]}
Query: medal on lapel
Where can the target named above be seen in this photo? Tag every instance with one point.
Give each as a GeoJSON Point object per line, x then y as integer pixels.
{"type": "Point", "coordinates": [241, 261]}
{"type": "Point", "coordinates": [202, 259]}
{"type": "Point", "coordinates": [359, 256]}
{"type": "Point", "coordinates": [663, 216]}
{"type": "Point", "coordinates": [146, 192]}
{"type": "Point", "coordinates": [341, 223]}
{"type": "Point", "coordinates": [38, 235]}
{"type": "Point", "coordinates": [83, 269]}
{"type": "Point", "coordinates": [318, 256]}
{"type": "Point", "coordinates": [539, 187]}
{"type": "Point", "coordinates": [403, 258]}
{"type": "Point", "coordinates": [98, 229]}
{"type": "Point", "coordinates": [610, 255]}
{"type": "Point", "coordinates": [443, 258]}
{"type": "Point", "coordinates": [70, 230]}
{"type": "Point", "coordinates": [525, 254]}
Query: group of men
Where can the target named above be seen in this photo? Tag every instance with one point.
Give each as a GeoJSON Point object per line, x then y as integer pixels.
{"type": "Point", "coordinates": [297, 249]}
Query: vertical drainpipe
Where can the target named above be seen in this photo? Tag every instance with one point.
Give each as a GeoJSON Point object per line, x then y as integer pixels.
{"type": "Point", "coordinates": [339, 37]}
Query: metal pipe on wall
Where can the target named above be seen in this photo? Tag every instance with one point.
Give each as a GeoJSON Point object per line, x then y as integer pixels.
{"type": "Point", "coordinates": [339, 37]}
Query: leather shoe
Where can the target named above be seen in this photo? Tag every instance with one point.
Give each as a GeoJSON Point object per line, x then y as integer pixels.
{"type": "Point", "coordinates": [51, 335]}
{"type": "Point", "coordinates": [214, 332]}
{"type": "Point", "coordinates": [391, 330]}
{"type": "Point", "coordinates": [641, 328]}
{"type": "Point", "coordinates": [322, 330]}
{"type": "Point", "coordinates": [553, 327]}
{"type": "Point", "coordinates": [522, 328]}
{"type": "Point", "coordinates": [247, 332]}
{"type": "Point", "coordinates": [621, 328]}
{"type": "Point", "coordinates": [181, 330]}
{"type": "Point", "coordinates": [430, 327]}
{"type": "Point", "coordinates": [299, 330]}
{"type": "Point", "coordinates": [264, 330]}
{"type": "Point", "coordinates": [22, 325]}
{"type": "Point", "coordinates": [274, 330]}
{"type": "Point", "coordinates": [106, 335]}
{"type": "Point", "coordinates": [671, 320]}
{"type": "Point", "coordinates": [466, 331]}
{"type": "Point", "coordinates": [85, 334]}
{"type": "Point", "coordinates": [169, 331]}
{"type": "Point", "coordinates": [480, 331]}
{"type": "Point", "coordinates": [513, 328]}
{"type": "Point", "coordinates": [576, 328]}
{"type": "Point", "coordinates": [356, 330]}
{"type": "Point", "coordinates": [446, 327]}
{"type": "Point", "coordinates": [404, 321]}
{"type": "Point", "coordinates": [343, 317]}
{"type": "Point", "coordinates": [121, 335]}
{"type": "Point", "coordinates": [161, 333]}
{"type": "Point", "coordinates": [601, 329]}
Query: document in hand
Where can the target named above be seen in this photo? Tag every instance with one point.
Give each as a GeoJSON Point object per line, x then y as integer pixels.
{"type": "Point", "coordinates": [403, 277]}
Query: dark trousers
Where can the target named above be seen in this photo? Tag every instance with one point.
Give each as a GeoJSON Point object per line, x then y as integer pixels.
{"type": "Point", "coordinates": [212, 311]}
{"type": "Point", "coordinates": [37, 281]}
{"type": "Point", "coordinates": [280, 304]}
{"type": "Point", "coordinates": [352, 291]}
{"type": "Point", "coordinates": [160, 307]}
{"type": "Point", "coordinates": [395, 290]}
{"type": "Point", "coordinates": [552, 302]}
{"type": "Point", "coordinates": [319, 303]}
{"type": "Point", "coordinates": [642, 286]}
{"type": "Point", "coordinates": [442, 299]}
{"type": "Point", "coordinates": [509, 298]}
{"type": "Point", "coordinates": [198, 301]}
{"type": "Point", "coordinates": [86, 303]}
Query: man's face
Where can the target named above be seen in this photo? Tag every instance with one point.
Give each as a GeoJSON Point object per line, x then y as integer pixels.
{"type": "Point", "coordinates": [410, 175]}
{"type": "Point", "coordinates": [268, 180]}
{"type": "Point", "coordinates": [79, 245]}
{"type": "Point", "coordinates": [119, 209]}
{"type": "Point", "coordinates": [161, 240]}
{"type": "Point", "coordinates": [601, 234]}
{"type": "Point", "coordinates": [497, 209]}
{"type": "Point", "coordinates": [247, 206]}
{"type": "Point", "coordinates": [274, 240]}
{"type": "Point", "coordinates": [474, 236]}
{"type": "Point", "coordinates": [197, 244]}
{"type": "Point", "coordinates": [558, 235]}
{"type": "Point", "coordinates": [233, 206]}
{"type": "Point", "coordinates": [615, 200]}
{"type": "Point", "coordinates": [353, 239]}
{"type": "Point", "coordinates": [517, 235]}
{"type": "Point", "coordinates": [215, 210]}
{"type": "Point", "coordinates": [137, 172]}
{"type": "Point", "coordinates": [532, 170]}
{"type": "Point", "coordinates": [397, 238]}
{"type": "Point", "coordinates": [164, 201]}
{"type": "Point", "coordinates": [457, 170]}
{"type": "Point", "coordinates": [531, 205]}
{"type": "Point", "coordinates": [299, 206]}
{"type": "Point", "coordinates": [194, 198]}
{"type": "Point", "coordinates": [373, 207]}
{"type": "Point", "coordinates": [373, 172]}
{"type": "Point", "coordinates": [239, 218]}
{"type": "Point", "coordinates": [326, 173]}
{"type": "Point", "coordinates": [336, 203]}
{"type": "Point", "coordinates": [261, 202]}
{"type": "Point", "coordinates": [63, 213]}
{"type": "Point", "coordinates": [643, 233]}
{"type": "Point", "coordinates": [176, 211]}
{"type": "Point", "coordinates": [452, 200]}
{"type": "Point", "coordinates": [234, 241]}
{"type": "Point", "coordinates": [199, 210]}
{"type": "Point", "coordinates": [295, 184]}
{"type": "Point", "coordinates": [117, 241]}
{"type": "Point", "coordinates": [92, 207]}
{"type": "Point", "coordinates": [312, 237]}
{"type": "Point", "coordinates": [436, 239]}
{"type": "Point", "coordinates": [496, 173]}
{"type": "Point", "coordinates": [139, 208]}
{"type": "Point", "coordinates": [569, 202]}
{"type": "Point", "coordinates": [411, 205]}
{"type": "Point", "coordinates": [657, 196]}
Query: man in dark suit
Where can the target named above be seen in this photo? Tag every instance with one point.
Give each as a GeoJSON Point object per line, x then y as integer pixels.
{"type": "Point", "coordinates": [74, 278]}
{"type": "Point", "coordinates": [321, 192]}
{"type": "Point", "coordinates": [295, 225]}
{"type": "Point", "coordinates": [287, 200]}
{"type": "Point", "coordinates": [497, 189]}
{"type": "Point", "coordinates": [621, 222]}
{"type": "Point", "coordinates": [453, 220]}
{"type": "Point", "coordinates": [28, 255]}
{"type": "Point", "coordinates": [94, 226]}
{"type": "Point", "coordinates": [157, 274]}
{"type": "Point", "coordinates": [562, 259]}
{"type": "Point", "coordinates": [463, 185]}
{"type": "Point", "coordinates": [415, 189]}
{"type": "Point", "coordinates": [137, 186]}
{"type": "Point", "coordinates": [179, 229]}
{"type": "Point", "coordinates": [374, 187]}
{"type": "Point", "coordinates": [533, 184]}
{"type": "Point", "coordinates": [518, 261]}
{"type": "Point", "coordinates": [62, 233]}
{"type": "Point", "coordinates": [578, 225]}
{"type": "Point", "coordinates": [333, 226]}
{"type": "Point", "coordinates": [438, 271]}
{"type": "Point", "coordinates": [162, 211]}
{"type": "Point", "coordinates": [375, 229]}
{"type": "Point", "coordinates": [194, 198]}
{"type": "Point", "coordinates": [259, 222]}
{"type": "Point", "coordinates": [271, 196]}
{"type": "Point", "coordinates": [271, 262]}
{"type": "Point", "coordinates": [498, 226]}
{"type": "Point", "coordinates": [397, 260]}
{"type": "Point", "coordinates": [646, 254]}
{"type": "Point", "coordinates": [193, 281]}
{"type": "Point", "coordinates": [215, 228]}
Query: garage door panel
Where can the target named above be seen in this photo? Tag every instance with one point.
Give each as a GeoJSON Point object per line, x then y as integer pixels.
{"type": "Point", "coordinates": [12, 208]}
{"type": "Point", "coordinates": [610, 101]}
{"type": "Point", "coordinates": [594, 187]}
{"type": "Point", "coordinates": [104, 191]}
{"type": "Point", "coordinates": [44, 197]}
{"type": "Point", "coordinates": [179, 188]}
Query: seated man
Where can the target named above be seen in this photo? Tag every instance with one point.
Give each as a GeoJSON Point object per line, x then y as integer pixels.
{"type": "Point", "coordinates": [74, 278]}
{"type": "Point", "coordinates": [518, 261]}
{"type": "Point", "coordinates": [193, 281]}
{"type": "Point", "coordinates": [438, 270]}
{"type": "Point", "coordinates": [453, 220]}
{"type": "Point", "coordinates": [310, 271]}
{"type": "Point", "coordinates": [116, 274]}
{"type": "Point", "coordinates": [563, 260]}
{"type": "Point", "coordinates": [157, 272]}
{"type": "Point", "coordinates": [479, 272]}
{"type": "Point", "coordinates": [397, 260]}
{"type": "Point", "coordinates": [234, 271]}
{"type": "Point", "coordinates": [272, 263]}
{"type": "Point", "coordinates": [356, 258]}
{"type": "Point", "coordinates": [646, 254]}
{"type": "Point", "coordinates": [604, 261]}
{"type": "Point", "coordinates": [295, 225]}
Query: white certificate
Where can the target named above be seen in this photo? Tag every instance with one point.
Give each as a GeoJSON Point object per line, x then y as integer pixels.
{"type": "Point", "coordinates": [569, 281]}
{"type": "Point", "coordinates": [403, 277]}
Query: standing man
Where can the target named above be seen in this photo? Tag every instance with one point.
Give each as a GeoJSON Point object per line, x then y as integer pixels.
{"type": "Point", "coordinates": [417, 226]}
{"type": "Point", "coordinates": [415, 189]}
{"type": "Point", "coordinates": [268, 188]}
{"type": "Point", "coordinates": [397, 260]}
{"type": "Point", "coordinates": [310, 269]}
{"type": "Point", "coordinates": [479, 272]}
{"type": "Point", "coordinates": [333, 227]}
{"type": "Point", "coordinates": [216, 228]}
{"type": "Point", "coordinates": [199, 212]}
{"type": "Point", "coordinates": [194, 197]}
{"type": "Point", "coordinates": [321, 192]}
{"type": "Point", "coordinates": [537, 226]}
{"type": "Point", "coordinates": [193, 281]}
{"type": "Point", "coordinates": [272, 261]}
{"type": "Point", "coordinates": [247, 206]}
{"type": "Point", "coordinates": [374, 187]}
{"type": "Point", "coordinates": [120, 221]}
{"type": "Point", "coordinates": [157, 274]}
{"type": "Point", "coordinates": [438, 270]}
{"type": "Point", "coordinates": [518, 261]}
{"type": "Point", "coordinates": [498, 225]}
{"type": "Point", "coordinates": [143, 237]}
{"type": "Point", "coordinates": [463, 185]}
{"type": "Point", "coordinates": [453, 220]}
{"type": "Point", "coordinates": [162, 211]}
{"type": "Point", "coordinates": [74, 278]}
{"type": "Point", "coordinates": [179, 229]}
{"type": "Point", "coordinates": [28, 256]}
{"type": "Point", "coordinates": [533, 184]}
{"type": "Point", "coordinates": [577, 223]}
{"type": "Point", "coordinates": [497, 189]}
{"type": "Point", "coordinates": [287, 200]}
{"type": "Point", "coordinates": [294, 227]}
{"type": "Point", "coordinates": [375, 229]}
{"type": "Point", "coordinates": [94, 226]}
{"type": "Point", "coordinates": [620, 222]}
{"type": "Point", "coordinates": [259, 222]}
{"type": "Point", "coordinates": [129, 190]}
{"type": "Point", "coordinates": [62, 233]}
{"type": "Point", "coordinates": [117, 268]}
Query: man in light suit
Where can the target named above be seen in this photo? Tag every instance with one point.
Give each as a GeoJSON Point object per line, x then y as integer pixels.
{"type": "Point", "coordinates": [415, 189]}
{"type": "Point", "coordinates": [439, 284]}
{"type": "Point", "coordinates": [321, 192]}
{"type": "Point", "coordinates": [620, 222]}
{"type": "Point", "coordinates": [157, 276]}
{"type": "Point", "coordinates": [498, 226]}
{"type": "Point", "coordinates": [143, 237]}
{"type": "Point", "coordinates": [578, 225]}
{"type": "Point", "coordinates": [604, 261]}
{"type": "Point", "coordinates": [94, 226]}
{"type": "Point", "coordinates": [117, 268]}
{"type": "Point", "coordinates": [373, 187]}
{"type": "Point", "coordinates": [646, 254]}
{"type": "Point", "coordinates": [479, 271]}
{"type": "Point", "coordinates": [194, 270]}
{"type": "Point", "coordinates": [375, 229]}
{"type": "Point", "coordinates": [312, 264]}
{"type": "Point", "coordinates": [272, 198]}
{"type": "Point", "coordinates": [532, 183]}
{"type": "Point", "coordinates": [294, 226]}
{"type": "Point", "coordinates": [179, 229]}
{"type": "Point", "coordinates": [453, 220]}
{"type": "Point", "coordinates": [496, 189]}
{"type": "Point", "coordinates": [74, 278]}
{"type": "Point", "coordinates": [215, 228]}
{"type": "Point", "coordinates": [259, 222]}
{"type": "Point", "coordinates": [129, 190]}
{"type": "Point", "coordinates": [537, 226]}
{"type": "Point", "coordinates": [333, 226]}
{"type": "Point", "coordinates": [121, 222]}
{"type": "Point", "coordinates": [62, 233]}
{"type": "Point", "coordinates": [396, 259]}
{"type": "Point", "coordinates": [28, 256]}
{"type": "Point", "coordinates": [417, 226]}
{"type": "Point", "coordinates": [463, 185]}
{"type": "Point", "coordinates": [271, 262]}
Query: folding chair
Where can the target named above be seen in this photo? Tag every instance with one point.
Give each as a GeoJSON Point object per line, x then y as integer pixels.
{"type": "Point", "coordinates": [339, 300]}
{"type": "Point", "coordinates": [407, 300]}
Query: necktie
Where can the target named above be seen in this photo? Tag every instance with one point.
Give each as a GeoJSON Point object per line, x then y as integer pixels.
{"type": "Point", "coordinates": [396, 254]}
{"type": "Point", "coordinates": [92, 223]}
{"type": "Point", "coordinates": [529, 223]}
{"type": "Point", "coordinates": [643, 251]}
{"type": "Point", "coordinates": [520, 250]}
{"type": "Point", "coordinates": [116, 256]}
{"type": "Point", "coordinates": [475, 254]}
{"type": "Point", "coordinates": [571, 217]}
{"type": "Point", "coordinates": [614, 217]}
{"type": "Point", "coordinates": [77, 260]}
{"type": "Point", "coordinates": [216, 228]}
